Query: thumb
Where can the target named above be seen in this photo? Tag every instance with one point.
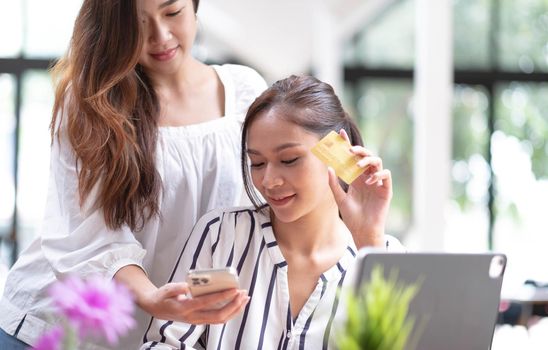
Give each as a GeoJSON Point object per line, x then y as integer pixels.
{"type": "Point", "coordinates": [336, 188]}
{"type": "Point", "coordinates": [344, 135]}
{"type": "Point", "coordinates": [174, 289]}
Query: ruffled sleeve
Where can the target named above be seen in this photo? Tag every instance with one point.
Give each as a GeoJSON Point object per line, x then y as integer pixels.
{"type": "Point", "coordinates": [248, 85]}
{"type": "Point", "coordinates": [75, 239]}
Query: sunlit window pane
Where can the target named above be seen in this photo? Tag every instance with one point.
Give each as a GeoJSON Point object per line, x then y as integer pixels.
{"type": "Point", "coordinates": [384, 115]}
{"type": "Point", "coordinates": [7, 145]}
{"type": "Point", "coordinates": [468, 219]}
{"type": "Point", "coordinates": [49, 26]}
{"type": "Point", "coordinates": [389, 40]}
{"type": "Point", "coordinates": [520, 158]}
{"type": "Point", "coordinates": [34, 153]}
{"type": "Point", "coordinates": [524, 36]}
{"type": "Point", "coordinates": [471, 22]}
{"type": "Point", "coordinates": [11, 28]}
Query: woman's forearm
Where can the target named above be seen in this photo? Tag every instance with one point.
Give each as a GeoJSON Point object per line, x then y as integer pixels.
{"type": "Point", "coordinates": [136, 280]}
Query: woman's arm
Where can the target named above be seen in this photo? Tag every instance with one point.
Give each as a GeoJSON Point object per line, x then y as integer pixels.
{"type": "Point", "coordinates": [168, 334]}
{"type": "Point", "coordinates": [170, 301]}
{"type": "Point", "coordinates": [76, 241]}
{"type": "Point", "coordinates": [364, 207]}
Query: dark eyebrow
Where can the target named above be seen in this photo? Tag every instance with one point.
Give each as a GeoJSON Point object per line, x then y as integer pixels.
{"type": "Point", "coordinates": [277, 149]}
{"type": "Point", "coordinates": [167, 3]}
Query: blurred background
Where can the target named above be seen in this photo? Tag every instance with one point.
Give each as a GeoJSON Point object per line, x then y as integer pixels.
{"type": "Point", "coordinates": [452, 94]}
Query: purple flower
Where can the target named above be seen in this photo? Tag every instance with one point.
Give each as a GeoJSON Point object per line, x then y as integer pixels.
{"type": "Point", "coordinates": [51, 340]}
{"type": "Point", "coordinates": [98, 306]}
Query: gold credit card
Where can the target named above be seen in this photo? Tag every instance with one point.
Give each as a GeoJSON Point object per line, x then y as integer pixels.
{"type": "Point", "coordinates": [334, 151]}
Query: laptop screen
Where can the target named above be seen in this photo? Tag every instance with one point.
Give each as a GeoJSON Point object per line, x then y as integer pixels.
{"type": "Point", "coordinates": [456, 305]}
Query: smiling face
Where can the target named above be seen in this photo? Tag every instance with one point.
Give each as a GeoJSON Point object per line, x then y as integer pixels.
{"type": "Point", "coordinates": [170, 30]}
{"type": "Point", "coordinates": [289, 177]}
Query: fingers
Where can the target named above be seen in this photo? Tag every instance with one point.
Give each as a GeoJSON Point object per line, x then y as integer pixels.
{"type": "Point", "coordinates": [370, 161]}
{"type": "Point", "coordinates": [227, 312]}
{"type": "Point", "coordinates": [387, 181]}
{"type": "Point", "coordinates": [336, 188]}
{"type": "Point", "coordinates": [172, 290]}
{"type": "Point", "coordinates": [209, 300]}
{"type": "Point", "coordinates": [361, 151]}
{"type": "Point", "coordinates": [212, 313]}
{"type": "Point", "coordinates": [373, 170]}
{"type": "Point", "coordinates": [344, 135]}
{"type": "Point", "coordinates": [357, 150]}
{"type": "Point", "coordinates": [381, 178]}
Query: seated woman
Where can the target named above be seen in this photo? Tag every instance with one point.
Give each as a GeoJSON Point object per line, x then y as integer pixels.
{"type": "Point", "coordinates": [292, 254]}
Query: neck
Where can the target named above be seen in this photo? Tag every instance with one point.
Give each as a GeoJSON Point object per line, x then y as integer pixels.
{"type": "Point", "coordinates": [319, 230]}
{"type": "Point", "coordinates": [189, 72]}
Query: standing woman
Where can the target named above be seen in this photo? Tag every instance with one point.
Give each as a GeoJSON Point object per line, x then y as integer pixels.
{"type": "Point", "coordinates": [145, 140]}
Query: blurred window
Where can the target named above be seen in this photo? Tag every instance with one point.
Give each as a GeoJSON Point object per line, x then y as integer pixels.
{"type": "Point", "coordinates": [383, 112]}
{"type": "Point", "coordinates": [388, 41]}
{"type": "Point", "coordinates": [519, 149]}
{"type": "Point", "coordinates": [471, 19]}
{"type": "Point", "coordinates": [500, 123]}
{"type": "Point", "coordinates": [34, 150]}
{"type": "Point", "coordinates": [11, 27]}
{"type": "Point", "coordinates": [468, 219]}
{"type": "Point", "coordinates": [523, 36]}
{"type": "Point", "coordinates": [48, 26]}
{"type": "Point", "coordinates": [35, 34]}
{"type": "Point", "coordinates": [7, 152]}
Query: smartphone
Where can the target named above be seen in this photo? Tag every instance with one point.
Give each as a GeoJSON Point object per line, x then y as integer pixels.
{"type": "Point", "coordinates": [205, 281]}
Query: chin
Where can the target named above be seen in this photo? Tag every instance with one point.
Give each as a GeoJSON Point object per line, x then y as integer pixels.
{"type": "Point", "coordinates": [286, 216]}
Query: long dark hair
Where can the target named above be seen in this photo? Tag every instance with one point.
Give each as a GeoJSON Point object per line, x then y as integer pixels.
{"type": "Point", "coordinates": [111, 112]}
{"type": "Point", "coordinates": [320, 111]}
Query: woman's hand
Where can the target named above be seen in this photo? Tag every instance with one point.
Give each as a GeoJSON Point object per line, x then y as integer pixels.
{"type": "Point", "coordinates": [170, 302]}
{"type": "Point", "coordinates": [365, 206]}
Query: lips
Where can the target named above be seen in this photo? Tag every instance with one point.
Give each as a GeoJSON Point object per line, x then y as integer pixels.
{"type": "Point", "coordinates": [165, 55]}
{"type": "Point", "coordinates": [280, 200]}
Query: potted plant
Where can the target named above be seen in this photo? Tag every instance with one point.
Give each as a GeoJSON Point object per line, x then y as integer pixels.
{"type": "Point", "coordinates": [377, 315]}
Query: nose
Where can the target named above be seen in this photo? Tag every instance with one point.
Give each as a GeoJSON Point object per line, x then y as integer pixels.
{"type": "Point", "coordinates": [159, 33]}
{"type": "Point", "coordinates": [272, 177]}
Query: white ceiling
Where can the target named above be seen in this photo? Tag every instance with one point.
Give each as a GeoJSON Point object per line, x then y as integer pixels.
{"type": "Point", "coordinates": [278, 37]}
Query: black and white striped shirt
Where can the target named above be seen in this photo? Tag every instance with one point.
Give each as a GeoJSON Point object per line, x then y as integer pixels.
{"type": "Point", "coordinates": [243, 238]}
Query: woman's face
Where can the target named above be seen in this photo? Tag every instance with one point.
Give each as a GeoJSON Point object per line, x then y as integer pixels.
{"type": "Point", "coordinates": [170, 29]}
{"type": "Point", "coordinates": [289, 177]}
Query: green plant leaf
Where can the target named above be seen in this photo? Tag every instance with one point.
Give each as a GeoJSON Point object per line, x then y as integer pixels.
{"type": "Point", "coordinates": [377, 316]}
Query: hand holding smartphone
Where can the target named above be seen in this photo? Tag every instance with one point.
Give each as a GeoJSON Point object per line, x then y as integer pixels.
{"type": "Point", "coordinates": [206, 281]}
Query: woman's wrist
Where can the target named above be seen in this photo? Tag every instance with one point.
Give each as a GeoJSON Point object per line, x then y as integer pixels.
{"type": "Point", "coordinates": [145, 300]}
{"type": "Point", "coordinates": [136, 280]}
{"type": "Point", "coordinates": [368, 238]}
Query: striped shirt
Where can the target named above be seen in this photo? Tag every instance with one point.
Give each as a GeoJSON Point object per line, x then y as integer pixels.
{"type": "Point", "coordinates": [243, 239]}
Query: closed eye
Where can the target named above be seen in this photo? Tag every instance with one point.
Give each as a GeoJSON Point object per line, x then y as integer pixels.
{"type": "Point", "coordinates": [290, 161]}
{"type": "Point", "coordinates": [256, 165]}
{"type": "Point", "coordinates": [173, 14]}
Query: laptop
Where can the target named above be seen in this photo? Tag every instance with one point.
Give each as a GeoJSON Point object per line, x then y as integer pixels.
{"type": "Point", "coordinates": [457, 304]}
